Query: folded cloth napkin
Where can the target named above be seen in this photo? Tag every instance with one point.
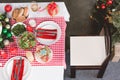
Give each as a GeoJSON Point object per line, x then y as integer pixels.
{"type": "Point", "coordinates": [47, 36]}
{"type": "Point", "coordinates": [47, 33]}
{"type": "Point", "coordinates": [17, 70]}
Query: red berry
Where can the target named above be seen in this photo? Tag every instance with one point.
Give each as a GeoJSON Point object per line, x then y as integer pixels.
{"type": "Point", "coordinates": [8, 8]}
{"type": "Point", "coordinates": [103, 6]}
{"type": "Point", "coordinates": [109, 2]}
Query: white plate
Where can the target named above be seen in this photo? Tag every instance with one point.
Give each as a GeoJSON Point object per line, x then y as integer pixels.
{"type": "Point", "coordinates": [7, 70]}
{"type": "Point", "coordinates": [1, 28]}
{"type": "Point", "coordinates": [37, 57]}
{"type": "Point", "coordinates": [17, 24]}
{"type": "Point", "coordinates": [49, 25]}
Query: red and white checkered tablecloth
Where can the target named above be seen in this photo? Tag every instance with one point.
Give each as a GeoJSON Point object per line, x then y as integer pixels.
{"type": "Point", "coordinates": [58, 48]}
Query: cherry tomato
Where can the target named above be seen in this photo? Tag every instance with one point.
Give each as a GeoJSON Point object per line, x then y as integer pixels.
{"type": "Point", "coordinates": [29, 28]}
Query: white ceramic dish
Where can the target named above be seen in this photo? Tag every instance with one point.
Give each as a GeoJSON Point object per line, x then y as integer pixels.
{"type": "Point", "coordinates": [21, 23]}
{"type": "Point", "coordinates": [49, 25]}
{"type": "Point", "coordinates": [7, 69]}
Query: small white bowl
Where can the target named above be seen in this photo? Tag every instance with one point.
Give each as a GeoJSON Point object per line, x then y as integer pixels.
{"type": "Point", "coordinates": [32, 22]}
{"type": "Point", "coordinates": [17, 24]}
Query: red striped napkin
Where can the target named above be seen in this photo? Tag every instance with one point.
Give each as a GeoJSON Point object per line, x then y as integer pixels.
{"type": "Point", "coordinates": [16, 65]}
{"type": "Point", "coordinates": [47, 33]}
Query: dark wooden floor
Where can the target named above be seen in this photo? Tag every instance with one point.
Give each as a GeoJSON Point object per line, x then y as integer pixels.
{"type": "Point", "coordinates": [80, 23]}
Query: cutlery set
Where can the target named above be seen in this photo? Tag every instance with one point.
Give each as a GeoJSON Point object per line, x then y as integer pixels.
{"type": "Point", "coordinates": [18, 69]}
{"type": "Point", "coordinates": [46, 33]}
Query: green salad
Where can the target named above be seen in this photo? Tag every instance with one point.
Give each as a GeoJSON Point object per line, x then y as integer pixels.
{"type": "Point", "coordinates": [26, 40]}
{"type": "Point", "coordinates": [18, 29]}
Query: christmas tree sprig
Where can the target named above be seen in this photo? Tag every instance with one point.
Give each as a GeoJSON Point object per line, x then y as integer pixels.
{"type": "Point", "coordinates": [5, 35]}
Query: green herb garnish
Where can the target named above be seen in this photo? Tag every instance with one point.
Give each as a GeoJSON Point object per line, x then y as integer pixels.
{"type": "Point", "coordinates": [18, 29]}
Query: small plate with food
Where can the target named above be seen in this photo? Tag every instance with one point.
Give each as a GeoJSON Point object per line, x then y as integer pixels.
{"type": "Point", "coordinates": [43, 54]}
{"type": "Point", "coordinates": [18, 28]}
{"type": "Point", "coordinates": [26, 40]}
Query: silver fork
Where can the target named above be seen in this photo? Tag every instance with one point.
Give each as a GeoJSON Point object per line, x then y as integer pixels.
{"type": "Point", "coordinates": [15, 74]}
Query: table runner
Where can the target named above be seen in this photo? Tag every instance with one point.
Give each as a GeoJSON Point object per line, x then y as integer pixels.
{"type": "Point", "coordinates": [58, 48]}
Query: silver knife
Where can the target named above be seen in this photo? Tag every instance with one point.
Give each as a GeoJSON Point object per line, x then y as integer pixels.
{"type": "Point", "coordinates": [20, 64]}
{"type": "Point", "coordinates": [46, 31]}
